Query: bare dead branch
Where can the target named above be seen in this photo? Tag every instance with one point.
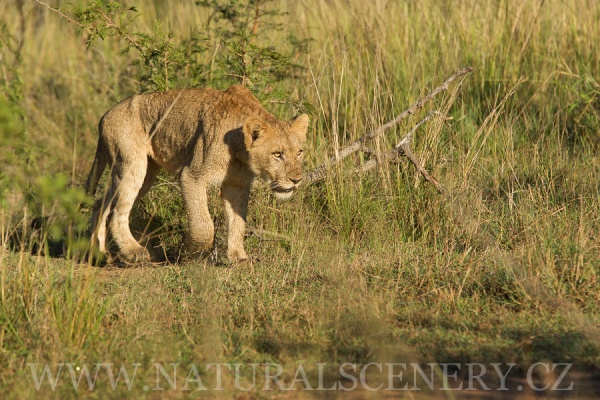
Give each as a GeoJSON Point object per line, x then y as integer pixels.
{"type": "Point", "coordinates": [408, 153]}
{"type": "Point", "coordinates": [402, 148]}
{"type": "Point", "coordinates": [395, 152]}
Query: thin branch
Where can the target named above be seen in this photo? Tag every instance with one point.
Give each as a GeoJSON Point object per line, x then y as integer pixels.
{"type": "Point", "coordinates": [320, 172]}
{"type": "Point", "coordinates": [409, 154]}
{"type": "Point", "coordinates": [57, 10]}
{"type": "Point", "coordinates": [403, 148]}
{"type": "Point", "coordinates": [393, 154]}
{"type": "Point", "coordinates": [109, 24]}
{"type": "Point", "coordinates": [120, 31]}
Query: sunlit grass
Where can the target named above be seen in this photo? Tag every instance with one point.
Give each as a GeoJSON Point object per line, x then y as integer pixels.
{"type": "Point", "coordinates": [503, 268]}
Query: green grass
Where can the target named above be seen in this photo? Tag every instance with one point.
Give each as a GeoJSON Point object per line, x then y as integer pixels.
{"type": "Point", "coordinates": [374, 268]}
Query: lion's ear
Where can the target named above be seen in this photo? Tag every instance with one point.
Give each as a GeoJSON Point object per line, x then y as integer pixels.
{"type": "Point", "coordinates": [299, 126]}
{"type": "Point", "coordinates": [253, 128]}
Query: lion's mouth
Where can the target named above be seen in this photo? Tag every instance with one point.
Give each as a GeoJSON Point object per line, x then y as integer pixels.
{"type": "Point", "coordinates": [280, 189]}
{"type": "Point", "coordinates": [282, 192]}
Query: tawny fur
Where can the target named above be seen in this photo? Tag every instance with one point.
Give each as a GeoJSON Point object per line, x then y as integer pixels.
{"type": "Point", "coordinates": [205, 137]}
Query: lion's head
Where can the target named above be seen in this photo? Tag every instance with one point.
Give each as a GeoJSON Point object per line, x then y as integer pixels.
{"type": "Point", "coordinates": [275, 152]}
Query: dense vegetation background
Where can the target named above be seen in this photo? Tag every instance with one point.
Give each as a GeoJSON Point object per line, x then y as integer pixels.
{"type": "Point", "coordinates": [377, 267]}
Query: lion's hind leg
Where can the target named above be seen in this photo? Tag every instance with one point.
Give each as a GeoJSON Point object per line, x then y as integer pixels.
{"type": "Point", "coordinates": [100, 212]}
{"type": "Point", "coordinates": [152, 171]}
{"type": "Point", "coordinates": [200, 235]}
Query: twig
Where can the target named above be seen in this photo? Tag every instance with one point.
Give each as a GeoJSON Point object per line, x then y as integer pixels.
{"type": "Point", "coordinates": [109, 24]}
{"type": "Point", "coordinates": [403, 148]}
{"type": "Point", "coordinates": [393, 154]}
{"type": "Point", "coordinates": [65, 16]}
{"type": "Point", "coordinates": [408, 153]}
{"type": "Point", "coordinates": [320, 172]}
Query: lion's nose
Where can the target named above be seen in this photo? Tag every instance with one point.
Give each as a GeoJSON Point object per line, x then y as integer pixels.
{"type": "Point", "coordinates": [295, 181]}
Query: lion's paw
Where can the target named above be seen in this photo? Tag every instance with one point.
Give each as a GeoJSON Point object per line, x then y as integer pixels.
{"type": "Point", "coordinates": [136, 256]}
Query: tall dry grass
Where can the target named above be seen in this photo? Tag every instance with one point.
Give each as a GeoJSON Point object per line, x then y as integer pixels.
{"type": "Point", "coordinates": [373, 268]}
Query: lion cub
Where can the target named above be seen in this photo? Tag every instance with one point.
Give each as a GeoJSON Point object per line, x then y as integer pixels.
{"type": "Point", "coordinates": [205, 137]}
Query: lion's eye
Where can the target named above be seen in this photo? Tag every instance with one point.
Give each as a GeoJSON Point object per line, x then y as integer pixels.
{"type": "Point", "coordinates": [278, 154]}
{"type": "Point", "coordinates": [300, 153]}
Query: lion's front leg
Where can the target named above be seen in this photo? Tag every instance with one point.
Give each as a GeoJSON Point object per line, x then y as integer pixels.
{"type": "Point", "coordinates": [127, 179]}
{"type": "Point", "coordinates": [201, 229]}
{"type": "Point", "coordinates": [235, 200]}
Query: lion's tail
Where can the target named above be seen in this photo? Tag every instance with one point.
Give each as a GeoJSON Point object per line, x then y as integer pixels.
{"type": "Point", "coordinates": [96, 171]}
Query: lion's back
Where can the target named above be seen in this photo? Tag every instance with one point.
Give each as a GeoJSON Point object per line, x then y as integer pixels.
{"type": "Point", "coordinates": [178, 125]}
